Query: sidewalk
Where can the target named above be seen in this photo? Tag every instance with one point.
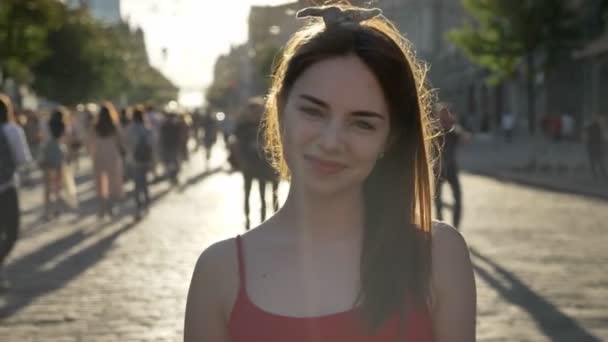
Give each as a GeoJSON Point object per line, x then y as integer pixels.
{"type": "Point", "coordinates": [558, 166]}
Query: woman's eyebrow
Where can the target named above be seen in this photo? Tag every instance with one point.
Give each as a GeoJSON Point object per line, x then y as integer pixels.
{"type": "Point", "coordinates": [315, 100]}
{"type": "Point", "coordinates": [368, 114]}
{"type": "Point", "coordinates": [359, 113]}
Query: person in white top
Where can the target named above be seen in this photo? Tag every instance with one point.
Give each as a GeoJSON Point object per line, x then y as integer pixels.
{"type": "Point", "coordinates": [508, 123]}
{"type": "Point", "coordinates": [14, 153]}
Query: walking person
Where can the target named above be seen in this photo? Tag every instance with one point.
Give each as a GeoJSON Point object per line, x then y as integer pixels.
{"type": "Point", "coordinates": [73, 138]}
{"type": "Point", "coordinates": [14, 153]}
{"type": "Point", "coordinates": [595, 149]}
{"type": "Point", "coordinates": [353, 254]}
{"type": "Point", "coordinates": [31, 128]}
{"type": "Point", "coordinates": [170, 147]}
{"type": "Point", "coordinates": [140, 146]}
{"type": "Point", "coordinates": [447, 169]}
{"type": "Point", "coordinates": [107, 150]}
{"type": "Point", "coordinates": [210, 129]}
{"type": "Point", "coordinates": [155, 120]}
{"type": "Point", "coordinates": [52, 157]}
{"type": "Point", "coordinates": [507, 124]}
{"type": "Point", "coordinates": [184, 123]}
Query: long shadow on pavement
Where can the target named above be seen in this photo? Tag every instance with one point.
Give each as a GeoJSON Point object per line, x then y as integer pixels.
{"type": "Point", "coordinates": [80, 180]}
{"type": "Point", "coordinates": [555, 188]}
{"type": "Point", "coordinates": [88, 204]}
{"type": "Point", "coordinates": [552, 322]}
{"type": "Point", "coordinates": [39, 282]}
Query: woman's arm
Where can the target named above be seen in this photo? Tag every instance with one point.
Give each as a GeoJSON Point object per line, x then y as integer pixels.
{"type": "Point", "coordinates": [453, 286]}
{"type": "Point", "coordinates": [205, 319]}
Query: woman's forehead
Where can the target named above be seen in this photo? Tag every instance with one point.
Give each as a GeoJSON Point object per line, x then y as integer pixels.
{"type": "Point", "coordinates": [343, 82]}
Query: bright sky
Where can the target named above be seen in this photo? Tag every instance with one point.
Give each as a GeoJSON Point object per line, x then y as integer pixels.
{"type": "Point", "coordinates": [194, 32]}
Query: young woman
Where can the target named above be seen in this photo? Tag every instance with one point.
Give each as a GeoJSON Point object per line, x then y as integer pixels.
{"type": "Point", "coordinates": [353, 254]}
{"type": "Point", "coordinates": [52, 160]}
{"type": "Point", "coordinates": [107, 149]}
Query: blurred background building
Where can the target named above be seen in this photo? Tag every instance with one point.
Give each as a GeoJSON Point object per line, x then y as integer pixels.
{"type": "Point", "coordinates": [571, 86]}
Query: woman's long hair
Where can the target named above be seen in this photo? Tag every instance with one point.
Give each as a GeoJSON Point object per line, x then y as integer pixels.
{"type": "Point", "coordinates": [396, 260]}
{"type": "Point", "coordinates": [107, 122]}
{"type": "Point", "coordinates": [6, 109]}
{"type": "Point", "coordinates": [57, 122]}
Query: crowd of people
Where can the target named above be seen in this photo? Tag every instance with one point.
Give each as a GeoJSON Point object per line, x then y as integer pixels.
{"type": "Point", "coordinates": [137, 144]}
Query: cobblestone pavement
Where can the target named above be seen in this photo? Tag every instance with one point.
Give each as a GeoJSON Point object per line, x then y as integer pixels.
{"type": "Point", "coordinates": [540, 261]}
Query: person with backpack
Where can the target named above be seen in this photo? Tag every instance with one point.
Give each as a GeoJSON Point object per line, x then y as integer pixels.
{"type": "Point", "coordinates": [140, 155]}
{"type": "Point", "coordinates": [14, 153]}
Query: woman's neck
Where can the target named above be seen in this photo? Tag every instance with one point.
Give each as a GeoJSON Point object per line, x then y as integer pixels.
{"type": "Point", "coordinates": [317, 218]}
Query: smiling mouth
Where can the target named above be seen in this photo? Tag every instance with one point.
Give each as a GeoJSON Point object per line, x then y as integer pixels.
{"type": "Point", "coordinates": [324, 166]}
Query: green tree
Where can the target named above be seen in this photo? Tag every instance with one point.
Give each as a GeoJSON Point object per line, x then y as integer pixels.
{"type": "Point", "coordinates": [506, 34]}
{"type": "Point", "coordinates": [75, 70]}
{"type": "Point", "coordinates": [136, 78]}
{"type": "Point", "coordinates": [90, 62]}
{"type": "Point", "coordinates": [24, 25]}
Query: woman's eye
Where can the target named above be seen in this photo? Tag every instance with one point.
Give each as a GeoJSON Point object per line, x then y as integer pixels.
{"type": "Point", "coordinates": [314, 112]}
{"type": "Point", "coordinates": [364, 125]}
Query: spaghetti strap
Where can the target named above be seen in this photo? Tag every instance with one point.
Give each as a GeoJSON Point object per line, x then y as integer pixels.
{"type": "Point", "coordinates": [241, 260]}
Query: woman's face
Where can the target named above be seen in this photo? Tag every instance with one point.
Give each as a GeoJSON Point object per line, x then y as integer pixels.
{"type": "Point", "coordinates": [335, 125]}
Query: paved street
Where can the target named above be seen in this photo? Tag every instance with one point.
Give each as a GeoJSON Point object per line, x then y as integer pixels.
{"type": "Point", "coordinates": [540, 260]}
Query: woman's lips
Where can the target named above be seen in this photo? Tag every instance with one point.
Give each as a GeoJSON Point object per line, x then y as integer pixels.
{"type": "Point", "coordinates": [324, 166]}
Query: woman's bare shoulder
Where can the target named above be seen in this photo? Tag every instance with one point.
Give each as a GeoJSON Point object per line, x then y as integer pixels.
{"type": "Point", "coordinates": [450, 257]}
{"type": "Point", "coordinates": [216, 273]}
{"type": "Point", "coordinates": [211, 288]}
{"type": "Point", "coordinates": [453, 285]}
{"type": "Point", "coordinates": [446, 238]}
{"type": "Point", "coordinates": [217, 254]}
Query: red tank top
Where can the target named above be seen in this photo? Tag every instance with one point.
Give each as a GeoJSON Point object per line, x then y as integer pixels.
{"type": "Point", "coordinates": [249, 323]}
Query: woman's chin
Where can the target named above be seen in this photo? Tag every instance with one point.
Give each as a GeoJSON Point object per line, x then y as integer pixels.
{"type": "Point", "coordinates": [324, 187]}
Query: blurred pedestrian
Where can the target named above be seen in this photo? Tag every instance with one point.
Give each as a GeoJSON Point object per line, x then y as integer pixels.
{"type": "Point", "coordinates": [14, 153]}
{"type": "Point", "coordinates": [107, 150]}
{"type": "Point", "coordinates": [507, 124]}
{"type": "Point", "coordinates": [155, 120]}
{"type": "Point", "coordinates": [31, 128]}
{"type": "Point", "coordinates": [594, 141]}
{"type": "Point", "coordinates": [567, 126]}
{"type": "Point", "coordinates": [197, 127]}
{"type": "Point", "coordinates": [124, 118]}
{"type": "Point", "coordinates": [170, 146]}
{"type": "Point", "coordinates": [249, 158]}
{"type": "Point", "coordinates": [210, 128]}
{"type": "Point", "coordinates": [353, 254]}
{"type": "Point", "coordinates": [140, 154]}
{"type": "Point", "coordinates": [52, 158]}
{"type": "Point", "coordinates": [451, 137]}
{"type": "Point", "coordinates": [73, 138]}
{"type": "Point", "coordinates": [184, 122]}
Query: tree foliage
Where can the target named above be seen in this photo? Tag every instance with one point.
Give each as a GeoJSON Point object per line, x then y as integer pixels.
{"type": "Point", "coordinates": [504, 32]}
{"type": "Point", "coordinates": [69, 57]}
{"type": "Point", "coordinates": [507, 34]}
{"type": "Point", "coordinates": [24, 25]}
